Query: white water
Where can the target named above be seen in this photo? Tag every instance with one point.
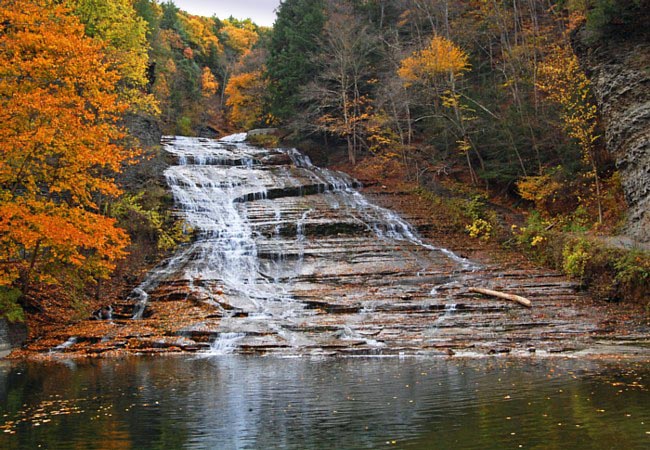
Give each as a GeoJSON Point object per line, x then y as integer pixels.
{"type": "Point", "coordinates": [67, 344]}
{"type": "Point", "coordinates": [225, 344]}
{"type": "Point", "coordinates": [213, 186]}
{"type": "Point", "coordinates": [383, 222]}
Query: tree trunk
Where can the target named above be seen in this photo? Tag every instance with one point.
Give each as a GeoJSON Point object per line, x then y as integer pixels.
{"type": "Point", "coordinates": [27, 274]}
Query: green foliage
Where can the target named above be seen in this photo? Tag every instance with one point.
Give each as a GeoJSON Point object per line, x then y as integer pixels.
{"type": "Point", "coordinates": [294, 40]}
{"type": "Point", "coordinates": [608, 272]}
{"type": "Point", "coordinates": [533, 234]}
{"type": "Point", "coordinates": [144, 214]}
{"type": "Point", "coordinates": [470, 215]}
{"type": "Point", "coordinates": [605, 16]}
{"type": "Point", "coordinates": [184, 126]}
{"type": "Point", "coordinates": [483, 220]}
{"type": "Point", "coordinates": [149, 11]}
{"type": "Point", "coordinates": [633, 268]}
{"type": "Point", "coordinates": [169, 20]}
{"type": "Point", "coordinates": [117, 24]}
{"type": "Point", "coordinates": [578, 221]}
{"type": "Point", "coordinates": [10, 309]}
{"type": "Point", "coordinates": [575, 256]}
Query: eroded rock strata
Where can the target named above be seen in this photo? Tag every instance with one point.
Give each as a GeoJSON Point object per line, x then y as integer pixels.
{"type": "Point", "coordinates": [618, 66]}
{"type": "Point", "coordinates": [292, 259]}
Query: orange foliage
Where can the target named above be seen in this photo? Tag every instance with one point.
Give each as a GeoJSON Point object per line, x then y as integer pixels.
{"type": "Point", "coordinates": [59, 108]}
{"type": "Point", "coordinates": [245, 93]}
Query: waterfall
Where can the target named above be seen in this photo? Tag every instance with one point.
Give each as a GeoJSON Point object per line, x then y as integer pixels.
{"type": "Point", "coordinates": [225, 344]}
{"type": "Point", "coordinates": [273, 231]}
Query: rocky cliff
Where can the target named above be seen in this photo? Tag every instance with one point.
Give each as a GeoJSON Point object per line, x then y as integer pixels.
{"type": "Point", "coordinates": [618, 65]}
{"type": "Point", "coordinates": [12, 335]}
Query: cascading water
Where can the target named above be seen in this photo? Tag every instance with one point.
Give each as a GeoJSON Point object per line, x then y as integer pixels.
{"type": "Point", "coordinates": [254, 212]}
{"type": "Point", "coordinates": [291, 259]}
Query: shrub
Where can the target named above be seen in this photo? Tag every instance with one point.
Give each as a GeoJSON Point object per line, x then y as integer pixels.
{"type": "Point", "coordinates": [264, 140]}
{"type": "Point", "coordinates": [9, 307]}
{"type": "Point", "coordinates": [575, 256]}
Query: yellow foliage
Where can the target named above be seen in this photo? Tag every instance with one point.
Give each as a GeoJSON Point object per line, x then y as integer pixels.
{"type": "Point", "coordinates": [479, 229]}
{"type": "Point", "coordinates": [381, 138]}
{"type": "Point", "coordinates": [240, 39]}
{"type": "Point", "coordinates": [564, 82]}
{"type": "Point", "coordinates": [199, 32]}
{"type": "Point", "coordinates": [441, 57]}
{"type": "Point", "coordinates": [209, 83]}
{"type": "Point", "coordinates": [537, 240]}
{"type": "Point", "coordinates": [540, 190]}
{"type": "Point", "coordinates": [123, 35]}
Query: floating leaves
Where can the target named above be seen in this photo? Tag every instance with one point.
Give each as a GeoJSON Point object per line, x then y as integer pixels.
{"type": "Point", "coordinates": [43, 413]}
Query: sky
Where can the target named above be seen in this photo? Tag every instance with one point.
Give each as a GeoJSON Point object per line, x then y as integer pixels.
{"type": "Point", "coordinates": [262, 12]}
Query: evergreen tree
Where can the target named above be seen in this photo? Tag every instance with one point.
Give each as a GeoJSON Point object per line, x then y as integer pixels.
{"type": "Point", "coordinates": [294, 41]}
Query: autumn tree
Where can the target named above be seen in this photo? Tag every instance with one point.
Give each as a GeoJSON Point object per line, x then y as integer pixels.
{"type": "Point", "coordinates": [245, 96]}
{"type": "Point", "coordinates": [240, 39]}
{"type": "Point", "coordinates": [124, 35]}
{"type": "Point", "coordinates": [59, 105]}
{"type": "Point", "coordinates": [209, 84]}
{"type": "Point", "coordinates": [441, 60]}
{"type": "Point", "coordinates": [564, 82]}
{"type": "Point", "coordinates": [437, 69]}
{"type": "Point", "coordinates": [239, 36]}
{"type": "Point", "coordinates": [193, 58]}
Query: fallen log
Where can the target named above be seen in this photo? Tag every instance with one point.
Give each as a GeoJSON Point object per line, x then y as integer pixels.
{"type": "Point", "coordinates": [515, 298]}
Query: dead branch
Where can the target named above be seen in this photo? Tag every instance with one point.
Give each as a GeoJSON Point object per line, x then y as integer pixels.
{"type": "Point", "coordinates": [515, 298]}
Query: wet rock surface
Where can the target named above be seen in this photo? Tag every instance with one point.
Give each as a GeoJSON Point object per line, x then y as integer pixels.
{"type": "Point", "coordinates": [292, 259]}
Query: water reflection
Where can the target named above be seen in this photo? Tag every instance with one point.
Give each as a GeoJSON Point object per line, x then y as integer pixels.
{"type": "Point", "coordinates": [236, 403]}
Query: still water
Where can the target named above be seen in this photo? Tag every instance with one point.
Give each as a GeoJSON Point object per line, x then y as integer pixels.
{"type": "Point", "coordinates": [235, 402]}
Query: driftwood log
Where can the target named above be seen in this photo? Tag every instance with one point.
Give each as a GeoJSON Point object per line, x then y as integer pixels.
{"type": "Point", "coordinates": [515, 298]}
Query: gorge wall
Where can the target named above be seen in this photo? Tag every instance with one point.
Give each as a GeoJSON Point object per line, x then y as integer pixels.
{"type": "Point", "coordinates": [618, 65]}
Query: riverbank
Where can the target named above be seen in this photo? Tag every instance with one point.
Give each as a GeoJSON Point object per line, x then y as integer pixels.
{"type": "Point", "coordinates": [609, 267]}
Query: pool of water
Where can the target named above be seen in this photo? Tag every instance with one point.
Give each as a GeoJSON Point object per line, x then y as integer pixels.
{"type": "Point", "coordinates": [235, 402]}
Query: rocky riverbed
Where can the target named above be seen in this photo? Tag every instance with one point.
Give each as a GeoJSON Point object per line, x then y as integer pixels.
{"type": "Point", "coordinates": [292, 259]}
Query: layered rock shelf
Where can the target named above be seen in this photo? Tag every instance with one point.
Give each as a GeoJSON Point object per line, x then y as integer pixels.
{"type": "Point", "coordinates": [291, 259]}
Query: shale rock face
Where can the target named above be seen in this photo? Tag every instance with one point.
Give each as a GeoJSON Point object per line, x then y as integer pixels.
{"type": "Point", "coordinates": [619, 69]}
{"type": "Point", "coordinates": [292, 259]}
